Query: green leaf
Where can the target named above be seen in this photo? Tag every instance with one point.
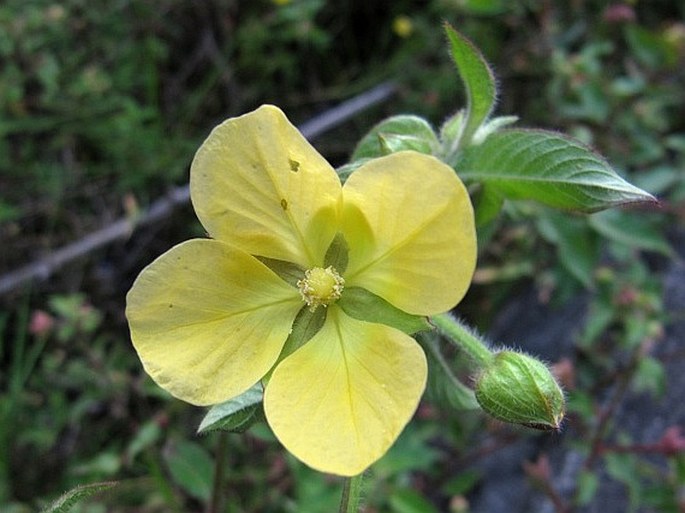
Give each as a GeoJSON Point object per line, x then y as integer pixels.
{"type": "Point", "coordinates": [547, 167]}
{"type": "Point", "coordinates": [366, 306]}
{"type": "Point", "coordinates": [69, 499]}
{"type": "Point", "coordinates": [588, 483]}
{"type": "Point", "coordinates": [577, 246]}
{"type": "Point", "coordinates": [479, 82]}
{"type": "Point", "coordinates": [234, 414]}
{"type": "Point", "coordinates": [413, 451]}
{"type": "Point", "coordinates": [346, 170]}
{"type": "Point", "coordinates": [650, 376]}
{"type": "Point", "coordinates": [146, 436]}
{"type": "Point", "coordinates": [442, 381]}
{"type": "Point", "coordinates": [452, 127]}
{"type": "Point", "coordinates": [631, 229]}
{"type": "Point", "coordinates": [192, 469]}
{"type": "Point", "coordinates": [406, 500]}
{"type": "Point", "coordinates": [491, 126]}
{"type": "Point", "coordinates": [397, 133]}
{"type": "Point", "coordinates": [487, 205]}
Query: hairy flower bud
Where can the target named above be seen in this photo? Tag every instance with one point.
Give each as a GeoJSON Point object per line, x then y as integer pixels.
{"type": "Point", "coordinates": [519, 389]}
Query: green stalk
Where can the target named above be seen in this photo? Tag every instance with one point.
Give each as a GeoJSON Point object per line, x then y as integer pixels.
{"type": "Point", "coordinates": [463, 338]}
{"type": "Point", "coordinates": [214, 505]}
{"type": "Point", "coordinates": [351, 494]}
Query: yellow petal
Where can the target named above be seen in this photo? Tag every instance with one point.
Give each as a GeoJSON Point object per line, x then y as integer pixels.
{"type": "Point", "coordinates": [208, 321]}
{"type": "Point", "coordinates": [257, 184]}
{"type": "Point", "coordinates": [409, 224]}
{"type": "Point", "coordinates": [340, 401]}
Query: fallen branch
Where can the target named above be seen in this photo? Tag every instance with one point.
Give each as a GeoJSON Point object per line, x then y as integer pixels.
{"type": "Point", "coordinates": [45, 267]}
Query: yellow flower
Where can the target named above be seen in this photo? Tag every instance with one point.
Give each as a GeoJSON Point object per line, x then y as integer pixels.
{"type": "Point", "coordinates": [402, 26]}
{"type": "Point", "coordinates": [210, 317]}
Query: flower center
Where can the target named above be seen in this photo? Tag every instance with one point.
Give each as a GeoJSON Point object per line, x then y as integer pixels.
{"type": "Point", "coordinates": [321, 286]}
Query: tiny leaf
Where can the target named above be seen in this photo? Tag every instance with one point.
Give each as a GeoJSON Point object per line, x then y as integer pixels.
{"type": "Point", "coordinates": [452, 127]}
{"type": "Point", "coordinates": [479, 82]}
{"type": "Point", "coordinates": [547, 167]}
{"type": "Point", "coordinates": [234, 414]}
{"type": "Point", "coordinates": [397, 133]}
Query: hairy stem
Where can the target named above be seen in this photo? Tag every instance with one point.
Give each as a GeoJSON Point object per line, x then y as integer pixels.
{"type": "Point", "coordinates": [351, 494]}
{"type": "Point", "coordinates": [214, 505]}
{"type": "Point", "coordinates": [464, 338]}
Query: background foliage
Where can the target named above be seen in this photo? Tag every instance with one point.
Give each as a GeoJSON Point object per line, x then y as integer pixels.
{"type": "Point", "coordinates": [102, 105]}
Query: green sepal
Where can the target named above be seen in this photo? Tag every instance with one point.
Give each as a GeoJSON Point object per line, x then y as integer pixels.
{"type": "Point", "coordinates": [305, 326]}
{"type": "Point", "coordinates": [69, 499]}
{"type": "Point", "coordinates": [520, 389]}
{"type": "Point", "coordinates": [366, 306]}
{"type": "Point", "coordinates": [346, 170]}
{"type": "Point", "coordinates": [337, 254]}
{"type": "Point", "coordinates": [287, 271]}
{"type": "Point", "coordinates": [397, 133]}
{"type": "Point", "coordinates": [235, 415]}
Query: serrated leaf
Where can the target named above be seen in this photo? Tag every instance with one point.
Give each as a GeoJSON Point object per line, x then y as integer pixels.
{"type": "Point", "coordinates": [233, 414]}
{"type": "Point", "coordinates": [479, 82]}
{"type": "Point", "coordinates": [547, 167]}
{"type": "Point", "coordinates": [397, 133]}
{"type": "Point", "coordinates": [69, 499]}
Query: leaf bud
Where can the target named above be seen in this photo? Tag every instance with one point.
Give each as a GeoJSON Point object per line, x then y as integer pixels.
{"type": "Point", "coordinates": [520, 389]}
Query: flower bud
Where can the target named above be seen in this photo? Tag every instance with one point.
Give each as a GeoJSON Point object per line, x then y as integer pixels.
{"type": "Point", "coordinates": [519, 389]}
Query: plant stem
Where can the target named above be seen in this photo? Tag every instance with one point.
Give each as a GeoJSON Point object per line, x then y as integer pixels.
{"type": "Point", "coordinates": [214, 505]}
{"type": "Point", "coordinates": [463, 338]}
{"type": "Point", "coordinates": [351, 494]}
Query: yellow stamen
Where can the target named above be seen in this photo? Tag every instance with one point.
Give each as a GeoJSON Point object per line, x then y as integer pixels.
{"type": "Point", "coordinates": [321, 286]}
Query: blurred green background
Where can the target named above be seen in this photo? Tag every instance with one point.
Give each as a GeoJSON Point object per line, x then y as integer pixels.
{"type": "Point", "coordinates": [102, 105]}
